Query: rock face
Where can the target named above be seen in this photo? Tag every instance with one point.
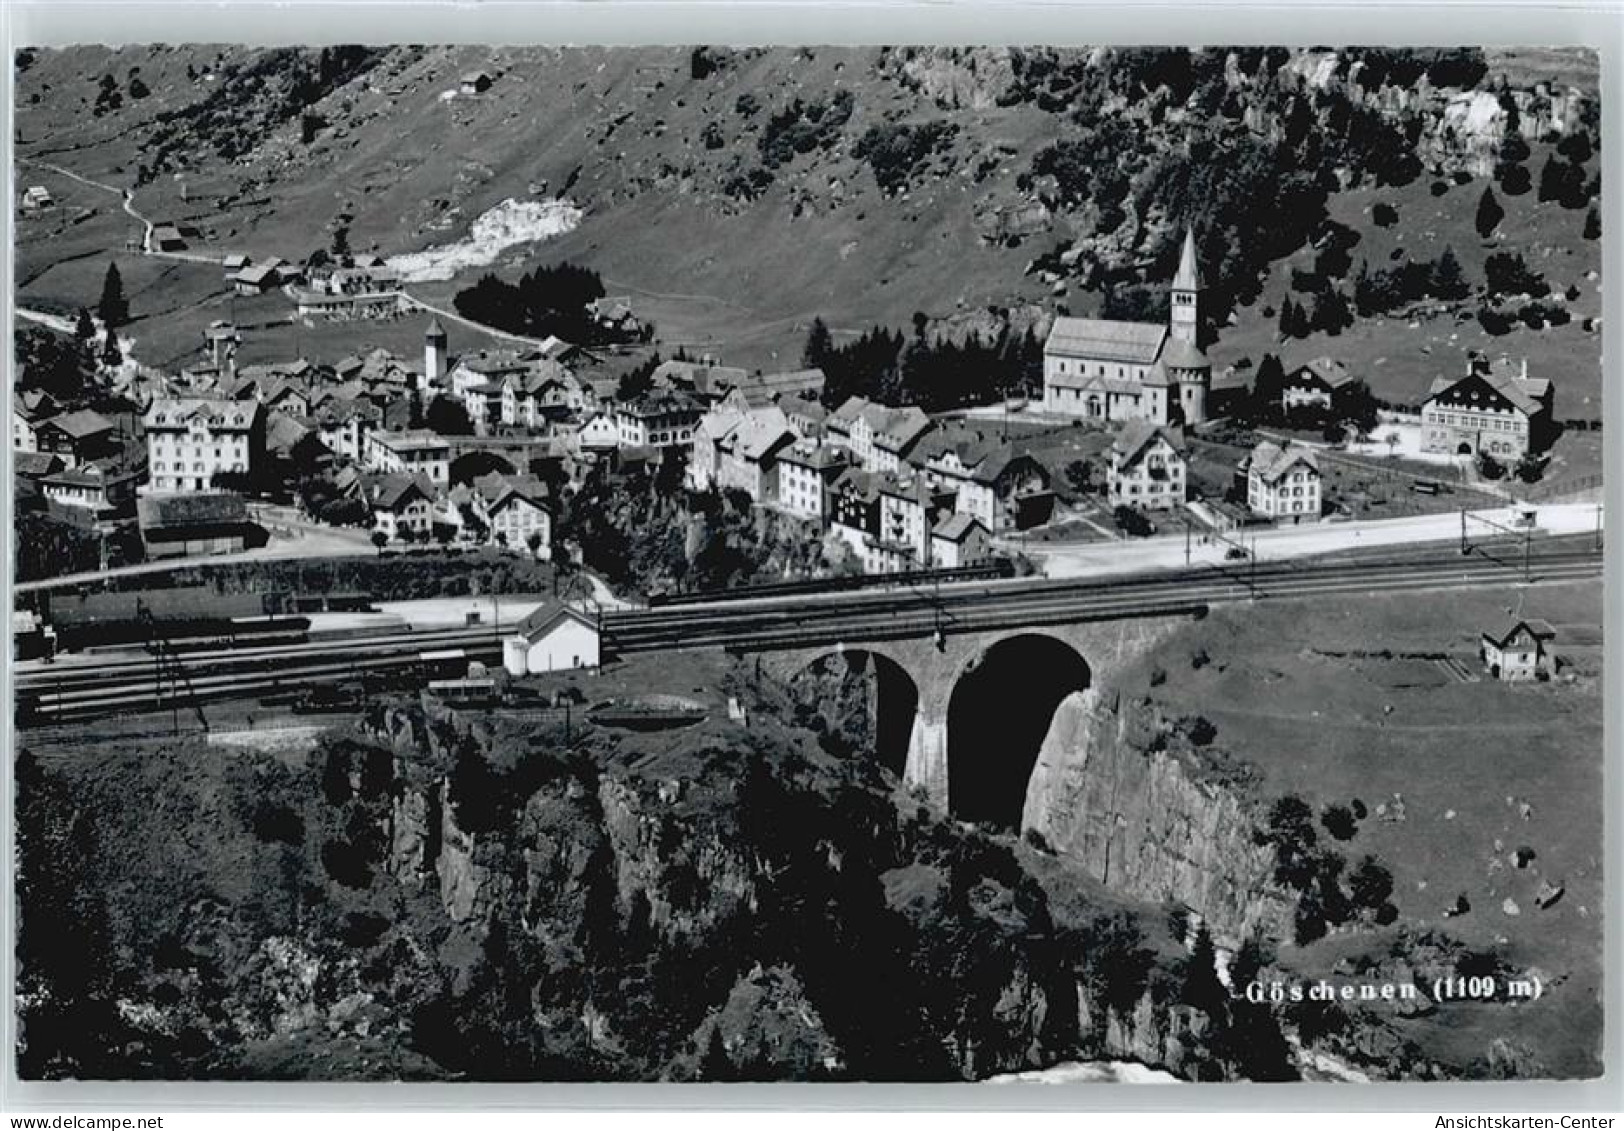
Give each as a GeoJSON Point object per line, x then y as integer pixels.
{"type": "Point", "coordinates": [1143, 822]}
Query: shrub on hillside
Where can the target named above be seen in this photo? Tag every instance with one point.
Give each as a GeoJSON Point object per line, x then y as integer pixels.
{"type": "Point", "coordinates": [894, 150]}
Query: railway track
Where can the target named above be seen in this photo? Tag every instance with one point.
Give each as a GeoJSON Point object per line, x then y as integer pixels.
{"type": "Point", "coordinates": [82, 689]}
{"type": "Point", "coordinates": [986, 607]}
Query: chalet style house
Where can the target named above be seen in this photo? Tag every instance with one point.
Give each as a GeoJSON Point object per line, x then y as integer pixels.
{"type": "Point", "coordinates": [1496, 409]}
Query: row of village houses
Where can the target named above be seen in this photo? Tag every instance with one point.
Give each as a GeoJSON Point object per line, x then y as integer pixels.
{"type": "Point", "coordinates": [901, 489]}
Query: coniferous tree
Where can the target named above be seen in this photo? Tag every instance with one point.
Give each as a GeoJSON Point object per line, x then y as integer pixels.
{"type": "Point", "coordinates": [819, 345]}
{"type": "Point", "coordinates": [84, 330]}
{"type": "Point", "coordinates": [1592, 224]}
{"type": "Point", "coordinates": [1202, 989]}
{"type": "Point", "coordinates": [113, 309]}
{"type": "Point", "coordinates": [112, 353]}
{"type": "Point", "coordinates": [1448, 280]}
{"type": "Point", "coordinates": [1489, 213]}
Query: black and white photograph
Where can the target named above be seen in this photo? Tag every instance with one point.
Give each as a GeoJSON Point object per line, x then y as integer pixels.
{"type": "Point", "coordinates": [808, 564]}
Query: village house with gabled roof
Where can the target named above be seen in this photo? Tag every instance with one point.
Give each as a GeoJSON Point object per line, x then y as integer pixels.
{"type": "Point", "coordinates": [517, 508]}
{"type": "Point", "coordinates": [1147, 467]}
{"type": "Point", "coordinates": [556, 636]}
{"type": "Point", "coordinates": [959, 541]}
{"type": "Point", "coordinates": [1319, 382]}
{"type": "Point", "coordinates": [661, 418]}
{"type": "Point", "coordinates": [1519, 652]}
{"type": "Point", "coordinates": [882, 438]}
{"type": "Point", "coordinates": [1495, 409]}
{"type": "Point", "coordinates": [401, 504]}
{"type": "Point", "coordinates": [538, 396]}
{"type": "Point", "coordinates": [1109, 369]}
{"type": "Point", "coordinates": [23, 438]}
{"type": "Point", "coordinates": [104, 493]}
{"type": "Point", "coordinates": [1282, 481]}
{"type": "Point", "coordinates": [78, 437]}
{"type": "Point", "coordinates": [748, 454]}
{"type": "Point", "coordinates": [256, 279]}
{"type": "Point", "coordinates": [806, 469]}
{"type": "Point", "coordinates": [989, 479]}
{"type": "Point", "coordinates": [706, 457]}
{"type": "Point", "coordinates": [705, 380]}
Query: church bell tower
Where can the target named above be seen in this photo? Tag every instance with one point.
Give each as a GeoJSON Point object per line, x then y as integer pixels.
{"type": "Point", "coordinates": [1184, 311]}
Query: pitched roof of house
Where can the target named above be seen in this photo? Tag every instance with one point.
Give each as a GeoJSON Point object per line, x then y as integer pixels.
{"type": "Point", "coordinates": [544, 616]}
{"type": "Point", "coordinates": [717, 423]}
{"type": "Point", "coordinates": [221, 415]}
{"type": "Point", "coordinates": [818, 457]}
{"type": "Point", "coordinates": [493, 362]}
{"type": "Point", "coordinates": [526, 487]}
{"type": "Point", "coordinates": [848, 411]}
{"type": "Point", "coordinates": [256, 275]}
{"type": "Point", "coordinates": [1106, 339]}
{"type": "Point", "coordinates": [956, 527]}
{"type": "Point", "coordinates": [79, 424]}
{"type": "Point", "coordinates": [1138, 434]}
{"type": "Point", "coordinates": [283, 432]}
{"type": "Point", "coordinates": [1505, 378]}
{"type": "Point", "coordinates": [35, 465]}
{"type": "Point", "coordinates": [897, 429]}
{"type": "Point", "coordinates": [1540, 629]}
{"type": "Point", "coordinates": [991, 469]}
{"type": "Point", "coordinates": [390, 492]}
{"type": "Point", "coordinates": [765, 388]}
{"type": "Point", "coordinates": [759, 433]}
{"type": "Point", "coordinates": [213, 509]}
{"type": "Point", "coordinates": [1329, 371]}
{"type": "Point", "coordinates": [705, 379]}
{"type": "Point", "coordinates": [1270, 461]}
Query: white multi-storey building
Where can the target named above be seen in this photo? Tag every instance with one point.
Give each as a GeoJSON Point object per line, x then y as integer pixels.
{"type": "Point", "coordinates": [191, 440]}
{"type": "Point", "coordinates": [1283, 482]}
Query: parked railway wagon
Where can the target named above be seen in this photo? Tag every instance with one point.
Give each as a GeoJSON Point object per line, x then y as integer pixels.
{"type": "Point", "coordinates": [187, 614]}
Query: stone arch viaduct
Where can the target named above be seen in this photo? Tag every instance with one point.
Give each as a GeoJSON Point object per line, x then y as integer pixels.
{"type": "Point", "coordinates": [949, 746]}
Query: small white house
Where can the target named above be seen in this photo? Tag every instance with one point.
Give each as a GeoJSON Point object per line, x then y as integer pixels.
{"type": "Point", "coordinates": [556, 636]}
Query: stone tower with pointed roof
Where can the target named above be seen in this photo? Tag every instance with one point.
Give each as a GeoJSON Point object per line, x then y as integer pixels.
{"type": "Point", "coordinates": [1184, 311]}
{"type": "Point", "coordinates": [434, 353]}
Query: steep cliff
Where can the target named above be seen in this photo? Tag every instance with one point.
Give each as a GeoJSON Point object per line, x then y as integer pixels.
{"type": "Point", "coordinates": [1147, 821]}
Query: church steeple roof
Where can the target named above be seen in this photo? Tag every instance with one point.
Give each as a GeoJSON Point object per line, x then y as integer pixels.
{"type": "Point", "coordinates": [435, 330]}
{"type": "Point", "coordinates": [1188, 276]}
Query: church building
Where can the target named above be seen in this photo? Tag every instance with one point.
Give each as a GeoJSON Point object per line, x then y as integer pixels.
{"type": "Point", "coordinates": [1109, 370]}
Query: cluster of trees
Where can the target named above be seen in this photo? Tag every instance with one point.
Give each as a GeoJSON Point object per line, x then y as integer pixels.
{"type": "Point", "coordinates": [934, 373]}
{"type": "Point", "coordinates": [1328, 894]}
{"type": "Point", "coordinates": [801, 127]}
{"type": "Point", "coordinates": [1388, 288]}
{"type": "Point", "coordinates": [894, 150]}
{"type": "Point", "coordinates": [1329, 312]}
{"type": "Point", "coordinates": [548, 300]}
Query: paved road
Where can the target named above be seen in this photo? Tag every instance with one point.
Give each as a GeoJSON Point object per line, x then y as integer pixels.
{"type": "Point", "coordinates": [1167, 552]}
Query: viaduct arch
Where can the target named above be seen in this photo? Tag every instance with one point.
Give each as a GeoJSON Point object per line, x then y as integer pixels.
{"type": "Point", "coordinates": [981, 702]}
